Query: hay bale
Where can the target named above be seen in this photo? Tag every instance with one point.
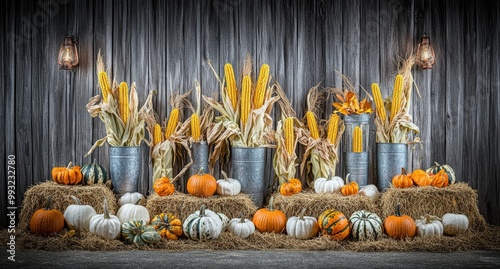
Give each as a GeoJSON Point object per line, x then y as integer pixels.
{"type": "Point", "coordinates": [182, 205]}
{"type": "Point", "coordinates": [418, 201]}
{"type": "Point", "coordinates": [316, 203]}
{"type": "Point", "coordinates": [36, 195]}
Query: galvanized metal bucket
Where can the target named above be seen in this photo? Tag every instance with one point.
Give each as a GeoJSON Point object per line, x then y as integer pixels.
{"type": "Point", "coordinates": [391, 157]}
{"type": "Point", "coordinates": [248, 166]}
{"type": "Point", "coordinates": [357, 166]}
{"type": "Point", "coordinates": [351, 121]}
{"type": "Point", "coordinates": [125, 168]}
{"type": "Point", "coordinates": [199, 155]}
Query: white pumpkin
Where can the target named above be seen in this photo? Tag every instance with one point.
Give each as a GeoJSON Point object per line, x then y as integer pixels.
{"type": "Point", "coordinates": [329, 184]}
{"type": "Point", "coordinates": [105, 225]}
{"type": "Point", "coordinates": [201, 226]}
{"type": "Point", "coordinates": [365, 225]}
{"type": "Point", "coordinates": [241, 227]}
{"type": "Point", "coordinates": [228, 186]}
{"type": "Point", "coordinates": [78, 216]}
{"type": "Point", "coordinates": [370, 191]}
{"type": "Point", "coordinates": [130, 198]}
{"type": "Point", "coordinates": [133, 212]}
{"type": "Point", "coordinates": [302, 227]}
{"type": "Point", "coordinates": [429, 226]}
{"type": "Point", "coordinates": [455, 224]}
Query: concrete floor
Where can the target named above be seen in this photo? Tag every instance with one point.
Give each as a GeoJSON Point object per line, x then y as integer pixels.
{"type": "Point", "coordinates": [252, 259]}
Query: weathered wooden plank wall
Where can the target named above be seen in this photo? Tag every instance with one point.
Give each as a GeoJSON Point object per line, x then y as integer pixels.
{"type": "Point", "coordinates": [166, 46]}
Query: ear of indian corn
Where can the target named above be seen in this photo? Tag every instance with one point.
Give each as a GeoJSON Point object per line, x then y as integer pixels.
{"type": "Point", "coordinates": [195, 127]}
{"type": "Point", "coordinates": [104, 84]}
{"type": "Point", "coordinates": [289, 136]}
{"type": "Point", "coordinates": [333, 128]}
{"type": "Point", "coordinates": [357, 140]}
{"type": "Point", "coordinates": [123, 101]}
{"type": "Point", "coordinates": [172, 122]}
{"type": "Point", "coordinates": [232, 91]}
{"type": "Point", "coordinates": [157, 134]}
{"type": "Point", "coordinates": [312, 124]}
{"type": "Point", "coordinates": [379, 102]}
{"type": "Point", "coordinates": [261, 87]}
{"type": "Point", "coordinates": [396, 96]}
{"type": "Point", "coordinates": [245, 105]}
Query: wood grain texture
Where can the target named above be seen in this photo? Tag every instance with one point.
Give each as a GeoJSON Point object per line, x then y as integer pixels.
{"type": "Point", "coordinates": [167, 45]}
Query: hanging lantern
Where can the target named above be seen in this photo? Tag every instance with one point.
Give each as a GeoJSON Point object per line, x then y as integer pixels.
{"type": "Point", "coordinates": [68, 54]}
{"type": "Point", "coordinates": [425, 53]}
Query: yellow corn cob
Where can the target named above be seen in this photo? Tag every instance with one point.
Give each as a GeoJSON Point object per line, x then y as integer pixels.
{"type": "Point", "coordinates": [104, 85]}
{"type": "Point", "coordinates": [172, 122]}
{"type": "Point", "coordinates": [195, 127]}
{"type": "Point", "coordinates": [157, 135]}
{"type": "Point", "coordinates": [396, 96]}
{"type": "Point", "coordinates": [289, 136]}
{"type": "Point", "coordinates": [357, 140]}
{"type": "Point", "coordinates": [261, 87]}
{"type": "Point", "coordinates": [232, 91]}
{"type": "Point", "coordinates": [333, 127]}
{"type": "Point", "coordinates": [312, 124]}
{"type": "Point", "coordinates": [245, 105]}
{"type": "Point", "coordinates": [379, 102]}
{"type": "Point", "coordinates": [123, 101]}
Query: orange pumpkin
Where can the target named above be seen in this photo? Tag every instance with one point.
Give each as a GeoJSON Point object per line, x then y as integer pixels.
{"type": "Point", "coordinates": [291, 187]}
{"type": "Point", "coordinates": [334, 224]}
{"type": "Point", "coordinates": [349, 188]}
{"type": "Point", "coordinates": [402, 180]}
{"type": "Point", "coordinates": [70, 175]}
{"type": "Point", "coordinates": [163, 186]}
{"type": "Point", "coordinates": [201, 184]}
{"type": "Point", "coordinates": [399, 226]}
{"type": "Point", "coordinates": [269, 220]}
{"type": "Point", "coordinates": [440, 179]}
{"type": "Point", "coordinates": [421, 178]}
{"type": "Point", "coordinates": [46, 221]}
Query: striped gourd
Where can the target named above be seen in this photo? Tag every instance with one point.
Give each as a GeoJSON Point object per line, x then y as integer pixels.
{"type": "Point", "coordinates": [447, 169]}
{"type": "Point", "coordinates": [123, 101]}
{"type": "Point", "coordinates": [261, 87]}
{"type": "Point", "coordinates": [357, 140]}
{"type": "Point", "coordinates": [396, 96]}
{"type": "Point", "coordinates": [289, 135]}
{"type": "Point", "coordinates": [366, 225]}
{"type": "Point", "coordinates": [312, 124]}
{"type": "Point", "coordinates": [195, 127]}
{"type": "Point", "coordinates": [157, 135]}
{"type": "Point", "coordinates": [232, 91]}
{"type": "Point", "coordinates": [202, 226]}
{"type": "Point", "coordinates": [246, 91]}
{"type": "Point", "coordinates": [334, 224]}
{"type": "Point", "coordinates": [379, 102]}
{"type": "Point", "coordinates": [94, 173]}
{"type": "Point", "coordinates": [139, 234]}
{"type": "Point", "coordinates": [333, 128]}
{"type": "Point", "coordinates": [104, 84]}
{"type": "Point", "coordinates": [172, 122]}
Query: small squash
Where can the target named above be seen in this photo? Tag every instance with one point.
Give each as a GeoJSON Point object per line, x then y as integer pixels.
{"type": "Point", "coordinates": [365, 225]}
{"type": "Point", "coordinates": [440, 180]}
{"type": "Point", "coordinates": [130, 198]}
{"type": "Point", "coordinates": [447, 169]}
{"type": "Point", "coordinates": [421, 178]}
{"type": "Point", "coordinates": [105, 225]}
{"type": "Point", "coordinates": [291, 187]}
{"type": "Point", "coordinates": [168, 225]}
{"type": "Point", "coordinates": [133, 212]}
{"type": "Point", "coordinates": [70, 175]}
{"type": "Point", "coordinates": [269, 220]}
{"type": "Point", "coordinates": [200, 226]}
{"type": "Point", "coordinates": [163, 186]}
{"type": "Point", "coordinates": [302, 227]}
{"type": "Point", "coordinates": [46, 221]}
{"type": "Point", "coordinates": [370, 191]}
{"type": "Point", "coordinates": [399, 226]}
{"type": "Point", "coordinates": [455, 224]}
{"type": "Point", "coordinates": [350, 188]}
{"type": "Point", "coordinates": [201, 184]}
{"type": "Point", "coordinates": [78, 216]}
{"type": "Point", "coordinates": [94, 173]}
{"type": "Point", "coordinates": [429, 226]}
{"type": "Point", "coordinates": [329, 184]}
{"type": "Point", "coordinates": [402, 180]}
{"type": "Point", "coordinates": [139, 233]}
{"type": "Point", "coordinates": [334, 224]}
{"type": "Point", "coordinates": [241, 227]}
{"type": "Point", "coordinates": [228, 186]}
